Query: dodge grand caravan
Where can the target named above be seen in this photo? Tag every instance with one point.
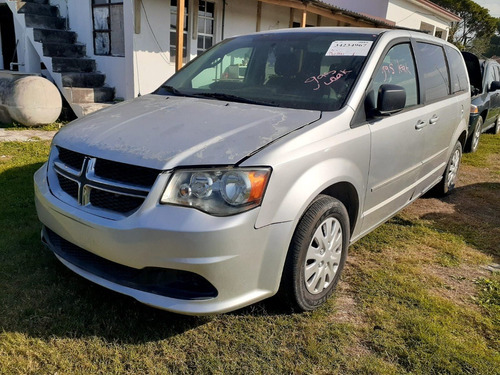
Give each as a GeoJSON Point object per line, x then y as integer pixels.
{"type": "Point", "coordinates": [251, 170]}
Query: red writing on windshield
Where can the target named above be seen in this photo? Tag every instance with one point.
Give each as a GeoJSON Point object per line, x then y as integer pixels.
{"type": "Point", "coordinates": [327, 78]}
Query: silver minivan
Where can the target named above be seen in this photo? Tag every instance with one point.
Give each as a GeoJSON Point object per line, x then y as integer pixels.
{"type": "Point", "coordinates": [251, 170]}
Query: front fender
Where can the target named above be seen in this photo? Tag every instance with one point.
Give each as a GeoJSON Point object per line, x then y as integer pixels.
{"type": "Point", "coordinates": [313, 168]}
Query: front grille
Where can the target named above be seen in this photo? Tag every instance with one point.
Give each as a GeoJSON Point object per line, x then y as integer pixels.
{"type": "Point", "coordinates": [71, 158]}
{"type": "Point", "coordinates": [101, 183]}
{"type": "Point", "coordinates": [70, 187]}
{"type": "Point", "coordinates": [125, 173]}
{"type": "Point", "coordinates": [161, 281]}
{"type": "Point", "coordinates": [114, 202]}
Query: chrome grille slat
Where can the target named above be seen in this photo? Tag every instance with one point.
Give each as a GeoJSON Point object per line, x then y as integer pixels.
{"type": "Point", "coordinates": [106, 187]}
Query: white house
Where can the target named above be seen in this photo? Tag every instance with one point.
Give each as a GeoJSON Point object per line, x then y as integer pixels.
{"type": "Point", "coordinates": [413, 14]}
{"type": "Point", "coordinates": [99, 50]}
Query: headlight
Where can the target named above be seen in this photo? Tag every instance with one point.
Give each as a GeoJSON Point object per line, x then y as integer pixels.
{"type": "Point", "coordinates": [217, 191]}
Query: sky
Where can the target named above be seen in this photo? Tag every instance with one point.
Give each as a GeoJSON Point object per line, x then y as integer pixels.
{"type": "Point", "coordinates": [492, 5]}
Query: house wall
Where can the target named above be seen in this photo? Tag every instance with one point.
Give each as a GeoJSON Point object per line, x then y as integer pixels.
{"type": "Point", "coordinates": [151, 59]}
{"type": "Point", "coordinates": [116, 68]}
{"type": "Point", "coordinates": [411, 15]}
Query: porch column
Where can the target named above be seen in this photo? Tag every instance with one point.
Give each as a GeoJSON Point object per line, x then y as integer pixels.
{"type": "Point", "coordinates": [259, 15]}
{"type": "Point", "coordinates": [304, 18]}
{"type": "Point", "coordinates": [180, 34]}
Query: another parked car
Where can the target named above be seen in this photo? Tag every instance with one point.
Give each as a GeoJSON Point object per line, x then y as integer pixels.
{"type": "Point", "coordinates": [214, 193]}
{"type": "Point", "coordinates": [484, 78]}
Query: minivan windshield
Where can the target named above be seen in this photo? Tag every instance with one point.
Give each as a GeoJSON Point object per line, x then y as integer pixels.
{"type": "Point", "coordinates": [311, 70]}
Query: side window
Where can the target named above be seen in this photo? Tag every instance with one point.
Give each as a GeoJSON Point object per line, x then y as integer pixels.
{"type": "Point", "coordinates": [490, 75]}
{"type": "Point", "coordinates": [458, 74]}
{"type": "Point", "coordinates": [434, 71]}
{"type": "Point", "coordinates": [398, 68]}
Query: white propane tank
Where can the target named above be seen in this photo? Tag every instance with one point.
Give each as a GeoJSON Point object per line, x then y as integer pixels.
{"type": "Point", "coordinates": [30, 100]}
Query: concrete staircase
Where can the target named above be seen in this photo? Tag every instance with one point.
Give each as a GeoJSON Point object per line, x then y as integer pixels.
{"type": "Point", "coordinates": [64, 58]}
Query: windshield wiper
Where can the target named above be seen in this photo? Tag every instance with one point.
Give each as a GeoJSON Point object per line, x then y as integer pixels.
{"type": "Point", "coordinates": [229, 97]}
{"type": "Point", "coordinates": [175, 91]}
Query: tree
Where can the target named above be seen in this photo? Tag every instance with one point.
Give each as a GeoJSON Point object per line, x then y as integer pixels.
{"type": "Point", "coordinates": [494, 47]}
{"type": "Point", "coordinates": [475, 29]}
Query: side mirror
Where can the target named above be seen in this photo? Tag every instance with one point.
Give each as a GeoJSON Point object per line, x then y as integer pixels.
{"type": "Point", "coordinates": [495, 85]}
{"type": "Point", "coordinates": [391, 99]}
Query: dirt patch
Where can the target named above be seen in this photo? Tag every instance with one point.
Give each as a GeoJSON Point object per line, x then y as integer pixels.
{"type": "Point", "coordinates": [458, 283]}
{"type": "Point", "coordinates": [7, 135]}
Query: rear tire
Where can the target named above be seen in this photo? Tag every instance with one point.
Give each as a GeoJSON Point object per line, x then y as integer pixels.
{"type": "Point", "coordinates": [447, 183]}
{"type": "Point", "coordinates": [316, 255]}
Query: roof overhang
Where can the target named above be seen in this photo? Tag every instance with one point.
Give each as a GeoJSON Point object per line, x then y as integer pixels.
{"type": "Point", "coordinates": [329, 11]}
{"type": "Point", "coordinates": [437, 10]}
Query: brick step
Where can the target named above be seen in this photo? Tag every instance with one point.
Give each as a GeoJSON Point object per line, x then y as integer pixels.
{"type": "Point", "coordinates": [44, 22]}
{"type": "Point", "coordinates": [83, 109]}
{"type": "Point", "coordinates": [64, 49]}
{"type": "Point", "coordinates": [83, 79]}
{"type": "Point", "coordinates": [35, 8]}
{"type": "Point", "coordinates": [54, 36]}
{"type": "Point", "coordinates": [90, 95]}
{"type": "Point", "coordinates": [71, 64]}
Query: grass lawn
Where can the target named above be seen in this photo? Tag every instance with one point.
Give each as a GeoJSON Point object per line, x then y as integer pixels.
{"type": "Point", "coordinates": [415, 298]}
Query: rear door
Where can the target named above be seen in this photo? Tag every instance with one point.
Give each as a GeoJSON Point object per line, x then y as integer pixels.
{"type": "Point", "coordinates": [441, 113]}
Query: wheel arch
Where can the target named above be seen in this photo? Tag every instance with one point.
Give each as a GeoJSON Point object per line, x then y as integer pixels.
{"type": "Point", "coordinates": [462, 138]}
{"type": "Point", "coordinates": [346, 193]}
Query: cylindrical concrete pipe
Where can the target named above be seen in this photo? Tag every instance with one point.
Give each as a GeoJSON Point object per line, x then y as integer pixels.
{"type": "Point", "coordinates": [29, 100]}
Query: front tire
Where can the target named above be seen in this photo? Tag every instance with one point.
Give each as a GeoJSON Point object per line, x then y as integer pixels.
{"type": "Point", "coordinates": [316, 255]}
{"type": "Point", "coordinates": [496, 128]}
{"type": "Point", "coordinates": [473, 143]}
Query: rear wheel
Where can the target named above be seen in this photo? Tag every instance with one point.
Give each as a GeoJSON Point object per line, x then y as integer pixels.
{"type": "Point", "coordinates": [450, 175]}
{"type": "Point", "coordinates": [316, 255]}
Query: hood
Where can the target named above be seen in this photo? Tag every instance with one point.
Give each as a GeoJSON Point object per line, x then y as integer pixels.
{"type": "Point", "coordinates": [475, 72]}
{"type": "Point", "coordinates": [163, 132]}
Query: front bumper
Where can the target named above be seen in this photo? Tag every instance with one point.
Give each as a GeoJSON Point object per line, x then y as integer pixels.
{"type": "Point", "coordinates": [244, 264]}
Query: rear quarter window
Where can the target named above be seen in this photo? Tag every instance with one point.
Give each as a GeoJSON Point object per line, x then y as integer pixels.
{"type": "Point", "coordinates": [458, 73]}
{"type": "Point", "coordinates": [434, 71]}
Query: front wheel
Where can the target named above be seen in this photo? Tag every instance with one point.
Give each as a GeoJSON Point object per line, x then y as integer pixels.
{"type": "Point", "coordinates": [496, 128]}
{"type": "Point", "coordinates": [316, 255]}
{"type": "Point", "coordinates": [474, 139]}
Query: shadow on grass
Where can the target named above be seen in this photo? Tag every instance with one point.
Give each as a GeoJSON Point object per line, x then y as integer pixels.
{"type": "Point", "coordinates": [41, 298]}
{"type": "Point", "coordinates": [475, 216]}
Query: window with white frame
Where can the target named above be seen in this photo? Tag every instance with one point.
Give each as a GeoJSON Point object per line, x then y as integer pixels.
{"type": "Point", "coordinates": [107, 17]}
{"type": "Point", "coordinates": [206, 23]}
{"type": "Point", "coordinates": [202, 29]}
